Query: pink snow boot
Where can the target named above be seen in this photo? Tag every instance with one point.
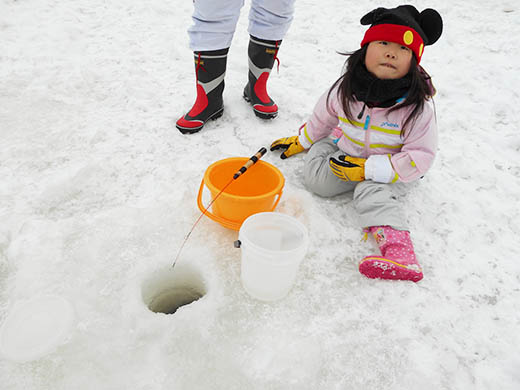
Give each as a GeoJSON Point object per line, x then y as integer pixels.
{"type": "Point", "coordinates": [398, 257]}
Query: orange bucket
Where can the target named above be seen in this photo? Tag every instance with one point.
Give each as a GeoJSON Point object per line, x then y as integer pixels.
{"type": "Point", "coordinates": [257, 190]}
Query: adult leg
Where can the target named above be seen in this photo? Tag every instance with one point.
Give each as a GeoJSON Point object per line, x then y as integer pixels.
{"type": "Point", "coordinates": [210, 35]}
{"type": "Point", "coordinates": [269, 20]}
{"type": "Point", "coordinates": [214, 24]}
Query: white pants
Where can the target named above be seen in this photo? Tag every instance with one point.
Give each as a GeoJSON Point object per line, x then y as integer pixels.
{"type": "Point", "coordinates": [214, 21]}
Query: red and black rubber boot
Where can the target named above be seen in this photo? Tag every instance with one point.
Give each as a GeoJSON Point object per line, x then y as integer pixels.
{"type": "Point", "coordinates": [262, 55]}
{"type": "Point", "coordinates": [210, 69]}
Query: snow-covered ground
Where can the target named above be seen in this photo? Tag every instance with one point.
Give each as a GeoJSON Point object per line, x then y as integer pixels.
{"type": "Point", "coordinates": [98, 190]}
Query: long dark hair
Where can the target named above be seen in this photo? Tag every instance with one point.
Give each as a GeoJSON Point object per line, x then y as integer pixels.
{"type": "Point", "coordinates": [421, 87]}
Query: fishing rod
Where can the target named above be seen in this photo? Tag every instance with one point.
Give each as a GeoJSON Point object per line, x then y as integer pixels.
{"type": "Point", "coordinates": [252, 160]}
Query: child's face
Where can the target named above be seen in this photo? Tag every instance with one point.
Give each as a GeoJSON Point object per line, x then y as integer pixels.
{"type": "Point", "coordinates": [388, 60]}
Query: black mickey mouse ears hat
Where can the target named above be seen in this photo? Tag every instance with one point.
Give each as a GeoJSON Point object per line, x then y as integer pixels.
{"type": "Point", "coordinates": [403, 25]}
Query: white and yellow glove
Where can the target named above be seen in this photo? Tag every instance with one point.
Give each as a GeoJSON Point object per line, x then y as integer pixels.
{"type": "Point", "coordinates": [348, 168]}
{"type": "Point", "coordinates": [377, 168]}
{"type": "Point", "coordinates": [290, 145]}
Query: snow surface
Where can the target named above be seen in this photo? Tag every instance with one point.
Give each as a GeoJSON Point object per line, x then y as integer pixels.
{"type": "Point", "coordinates": [98, 191]}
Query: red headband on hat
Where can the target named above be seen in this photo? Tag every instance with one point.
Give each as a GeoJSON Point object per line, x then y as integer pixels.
{"type": "Point", "coordinates": [403, 35]}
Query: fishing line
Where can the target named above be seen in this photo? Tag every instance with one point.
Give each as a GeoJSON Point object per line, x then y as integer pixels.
{"type": "Point", "coordinates": [239, 173]}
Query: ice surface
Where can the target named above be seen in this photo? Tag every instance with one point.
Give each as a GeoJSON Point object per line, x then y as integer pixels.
{"type": "Point", "coordinates": [98, 188]}
{"type": "Point", "coordinates": [35, 327]}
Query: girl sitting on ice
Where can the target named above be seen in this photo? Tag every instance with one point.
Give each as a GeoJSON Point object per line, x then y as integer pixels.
{"type": "Point", "coordinates": [382, 110]}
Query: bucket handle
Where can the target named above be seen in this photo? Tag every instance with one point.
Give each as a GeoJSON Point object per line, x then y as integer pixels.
{"type": "Point", "coordinates": [223, 221]}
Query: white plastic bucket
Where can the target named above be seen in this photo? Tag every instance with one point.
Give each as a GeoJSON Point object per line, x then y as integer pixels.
{"type": "Point", "coordinates": [273, 246]}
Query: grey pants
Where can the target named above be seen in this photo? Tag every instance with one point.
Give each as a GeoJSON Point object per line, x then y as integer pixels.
{"type": "Point", "coordinates": [375, 203]}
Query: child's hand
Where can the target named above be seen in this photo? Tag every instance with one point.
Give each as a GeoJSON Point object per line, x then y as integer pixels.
{"type": "Point", "coordinates": [291, 145]}
{"type": "Point", "coordinates": [348, 168]}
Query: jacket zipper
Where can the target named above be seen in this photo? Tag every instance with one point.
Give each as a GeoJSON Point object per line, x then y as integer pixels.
{"type": "Point", "coordinates": [367, 133]}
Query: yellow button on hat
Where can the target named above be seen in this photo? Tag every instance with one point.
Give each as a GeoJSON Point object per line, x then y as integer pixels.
{"type": "Point", "coordinates": [408, 37]}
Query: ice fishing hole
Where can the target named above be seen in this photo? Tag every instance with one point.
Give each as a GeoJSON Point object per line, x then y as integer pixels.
{"type": "Point", "coordinates": [166, 290]}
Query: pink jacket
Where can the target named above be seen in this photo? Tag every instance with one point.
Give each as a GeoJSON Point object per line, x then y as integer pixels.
{"type": "Point", "coordinates": [391, 156]}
